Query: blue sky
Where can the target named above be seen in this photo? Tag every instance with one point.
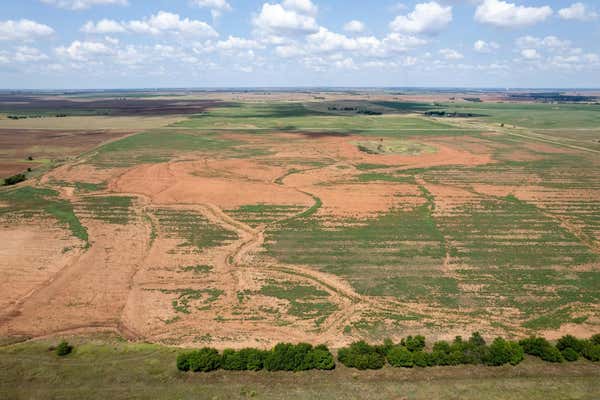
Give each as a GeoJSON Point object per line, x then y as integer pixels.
{"type": "Point", "coordinates": [49, 44]}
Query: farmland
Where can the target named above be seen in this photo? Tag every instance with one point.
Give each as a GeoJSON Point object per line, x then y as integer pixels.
{"type": "Point", "coordinates": [197, 220]}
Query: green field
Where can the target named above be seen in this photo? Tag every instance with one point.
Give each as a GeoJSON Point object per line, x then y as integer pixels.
{"type": "Point", "coordinates": [107, 368]}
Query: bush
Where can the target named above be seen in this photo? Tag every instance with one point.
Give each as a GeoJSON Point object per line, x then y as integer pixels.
{"type": "Point", "coordinates": [420, 358]}
{"type": "Point", "coordinates": [361, 355]}
{"type": "Point", "coordinates": [400, 356]}
{"type": "Point", "coordinates": [321, 358]}
{"type": "Point", "coordinates": [540, 347]}
{"type": "Point", "coordinates": [13, 180]}
{"type": "Point", "coordinates": [591, 351]}
{"type": "Point", "coordinates": [254, 359]}
{"type": "Point", "coordinates": [183, 361]}
{"type": "Point", "coordinates": [300, 357]}
{"type": "Point", "coordinates": [233, 361]}
{"type": "Point", "coordinates": [413, 344]}
{"type": "Point", "coordinates": [503, 352]}
{"type": "Point", "coordinates": [63, 349]}
{"type": "Point", "coordinates": [570, 354]}
{"type": "Point", "coordinates": [595, 339]}
{"type": "Point", "coordinates": [203, 360]}
{"type": "Point", "coordinates": [569, 341]}
{"type": "Point", "coordinates": [243, 360]}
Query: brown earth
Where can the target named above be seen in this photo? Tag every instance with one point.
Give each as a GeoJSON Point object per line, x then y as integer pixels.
{"type": "Point", "coordinates": [130, 277]}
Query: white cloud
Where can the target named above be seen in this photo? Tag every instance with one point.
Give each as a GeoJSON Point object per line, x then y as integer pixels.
{"type": "Point", "coordinates": [28, 54]}
{"type": "Point", "coordinates": [579, 12]}
{"type": "Point", "coordinates": [84, 51]}
{"type": "Point", "coordinates": [160, 23]}
{"type": "Point", "coordinates": [285, 19]}
{"type": "Point", "coordinates": [530, 54]}
{"type": "Point", "coordinates": [548, 42]}
{"type": "Point", "coordinates": [398, 43]}
{"type": "Point", "coordinates": [354, 26]}
{"type": "Point", "coordinates": [450, 54]}
{"type": "Point", "coordinates": [217, 7]}
{"type": "Point", "coordinates": [502, 14]}
{"type": "Point", "coordinates": [103, 26]}
{"type": "Point", "coordinates": [428, 18]}
{"type": "Point", "coordinates": [23, 29]}
{"type": "Point", "coordinates": [301, 6]}
{"type": "Point", "coordinates": [236, 43]}
{"type": "Point", "coordinates": [84, 4]}
{"type": "Point", "coordinates": [482, 46]}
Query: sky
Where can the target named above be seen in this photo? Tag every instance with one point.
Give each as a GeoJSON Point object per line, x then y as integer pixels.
{"type": "Point", "coordinates": [93, 44]}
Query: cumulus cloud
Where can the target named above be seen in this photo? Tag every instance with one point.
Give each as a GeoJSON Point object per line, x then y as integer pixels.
{"type": "Point", "coordinates": [503, 14]}
{"type": "Point", "coordinates": [84, 4]}
{"type": "Point", "coordinates": [217, 7]}
{"type": "Point", "coordinates": [578, 12]}
{"type": "Point", "coordinates": [160, 23]}
{"type": "Point", "coordinates": [450, 54]}
{"type": "Point", "coordinates": [237, 43]}
{"type": "Point", "coordinates": [530, 54]}
{"type": "Point", "coordinates": [482, 46]}
{"type": "Point", "coordinates": [84, 51]}
{"type": "Point", "coordinates": [301, 6]}
{"type": "Point", "coordinates": [427, 18]}
{"type": "Point", "coordinates": [548, 42]}
{"type": "Point", "coordinates": [23, 29]}
{"type": "Point", "coordinates": [29, 54]}
{"type": "Point", "coordinates": [354, 26]}
{"type": "Point", "coordinates": [292, 17]}
{"type": "Point", "coordinates": [103, 26]}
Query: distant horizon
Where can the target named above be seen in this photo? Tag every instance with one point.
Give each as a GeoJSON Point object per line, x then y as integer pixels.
{"type": "Point", "coordinates": [86, 44]}
{"type": "Point", "coordinates": [296, 88]}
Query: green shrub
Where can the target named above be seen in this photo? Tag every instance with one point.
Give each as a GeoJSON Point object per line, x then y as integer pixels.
{"type": "Point", "coordinates": [570, 354]}
{"type": "Point", "coordinates": [416, 343]}
{"type": "Point", "coordinates": [476, 340]}
{"type": "Point", "coordinates": [361, 355]}
{"type": "Point", "coordinates": [420, 358]}
{"type": "Point", "coordinates": [203, 360]}
{"type": "Point", "coordinates": [503, 352]}
{"type": "Point", "coordinates": [400, 356]}
{"type": "Point", "coordinates": [595, 339]}
{"type": "Point", "coordinates": [570, 341]}
{"type": "Point", "coordinates": [183, 361]}
{"type": "Point", "coordinates": [13, 180]}
{"type": "Point", "coordinates": [63, 349]}
{"type": "Point", "coordinates": [540, 347]}
{"type": "Point", "coordinates": [591, 351]}
{"type": "Point", "coordinates": [321, 358]}
{"type": "Point", "coordinates": [233, 360]}
{"type": "Point", "coordinates": [254, 359]}
{"type": "Point", "coordinates": [289, 357]}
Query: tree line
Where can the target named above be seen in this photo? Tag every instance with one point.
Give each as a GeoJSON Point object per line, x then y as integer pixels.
{"type": "Point", "coordinates": [409, 352]}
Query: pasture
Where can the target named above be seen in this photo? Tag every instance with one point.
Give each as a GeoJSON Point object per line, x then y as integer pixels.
{"type": "Point", "coordinates": [250, 222]}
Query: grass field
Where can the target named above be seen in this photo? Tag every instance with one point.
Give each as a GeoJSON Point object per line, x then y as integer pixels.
{"type": "Point", "coordinates": [331, 221]}
{"type": "Point", "coordinates": [101, 368]}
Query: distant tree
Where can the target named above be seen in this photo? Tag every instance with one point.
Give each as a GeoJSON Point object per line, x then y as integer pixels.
{"type": "Point", "coordinates": [13, 180]}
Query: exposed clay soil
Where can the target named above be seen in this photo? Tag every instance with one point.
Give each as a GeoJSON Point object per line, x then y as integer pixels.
{"type": "Point", "coordinates": [130, 277]}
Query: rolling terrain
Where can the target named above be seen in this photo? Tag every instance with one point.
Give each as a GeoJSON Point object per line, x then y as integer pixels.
{"type": "Point", "coordinates": [244, 221]}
